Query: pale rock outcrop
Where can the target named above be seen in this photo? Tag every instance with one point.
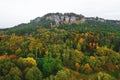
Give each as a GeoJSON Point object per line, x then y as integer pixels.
{"type": "Point", "coordinates": [59, 18]}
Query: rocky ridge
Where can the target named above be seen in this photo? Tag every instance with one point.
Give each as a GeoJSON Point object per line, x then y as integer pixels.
{"type": "Point", "coordinates": [59, 18]}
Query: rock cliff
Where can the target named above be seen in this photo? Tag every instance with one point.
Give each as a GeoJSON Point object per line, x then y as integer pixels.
{"type": "Point", "coordinates": [59, 18]}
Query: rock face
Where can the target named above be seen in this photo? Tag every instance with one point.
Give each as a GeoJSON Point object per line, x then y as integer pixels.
{"type": "Point", "coordinates": [59, 18]}
{"type": "Point", "coordinates": [67, 18]}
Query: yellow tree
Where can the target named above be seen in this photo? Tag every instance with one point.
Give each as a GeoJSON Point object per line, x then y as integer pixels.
{"type": "Point", "coordinates": [35, 45]}
{"type": "Point", "coordinates": [14, 42]}
{"type": "Point", "coordinates": [87, 68]}
{"type": "Point", "coordinates": [77, 65]}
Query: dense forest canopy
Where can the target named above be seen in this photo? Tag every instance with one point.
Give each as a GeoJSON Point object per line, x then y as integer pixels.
{"type": "Point", "coordinates": [44, 50]}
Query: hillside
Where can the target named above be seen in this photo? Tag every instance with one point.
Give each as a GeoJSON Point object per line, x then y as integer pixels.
{"type": "Point", "coordinates": [61, 47]}
{"type": "Point", "coordinates": [58, 19]}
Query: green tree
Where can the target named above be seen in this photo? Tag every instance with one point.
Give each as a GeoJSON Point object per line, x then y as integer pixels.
{"type": "Point", "coordinates": [61, 75]}
{"type": "Point", "coordinates": [5, 66]}
{"type": "Point", "coordinates": [15, 73]}
{"type": "Point", "coordinates": [51, 65]}
{"type": "Point", "coordinates": [33, 74]}
{"type": "Point", "coordinates": [105, 76]}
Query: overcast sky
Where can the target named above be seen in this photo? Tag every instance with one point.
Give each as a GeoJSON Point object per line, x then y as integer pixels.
{"type": "Point", "coordinates": [14, 12]}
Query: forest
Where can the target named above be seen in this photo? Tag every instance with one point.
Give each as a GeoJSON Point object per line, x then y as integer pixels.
{"type": "Point", "coordinates": [85, 51]}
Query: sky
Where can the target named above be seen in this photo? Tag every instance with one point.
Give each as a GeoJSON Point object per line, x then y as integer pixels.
{"type": "Point", "coordinates": [14, 12]}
